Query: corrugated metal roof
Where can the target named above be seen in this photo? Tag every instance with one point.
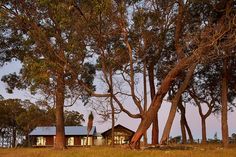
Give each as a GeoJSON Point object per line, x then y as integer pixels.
{"type": "Point", "coordinates": [69, 130]}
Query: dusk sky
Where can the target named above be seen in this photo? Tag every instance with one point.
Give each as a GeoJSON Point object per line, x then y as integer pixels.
{"type": "Point", "coordinates": [192, 115]}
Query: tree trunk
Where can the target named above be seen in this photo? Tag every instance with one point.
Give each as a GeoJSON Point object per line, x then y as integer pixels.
{"type": "Point", "coordinates": [167, 129]}
{"type": "Point", "coordinates": [204, 138]}
{"type": "Point", "coordinates": [182, 122]}
{"type": "Point", "coordinates": [145, 97]}
{"type": "Point", "coordinates": [224, 92]}
{"type": "Point", "coordinates": [156, 103]}
{"type": "Point", "coordinates": [183, 131]}
{"type": "Point", "coordinates": [113, 126]}
{"type": "Point", "coordinates": [155, 127]}
{"type": "Point", "coordinates": [112, 109]}
{"type": "Point", "coordinates": [189, 131]}
{"type": "Point", "coordinates": [175, 103]}
{"type": "Point", "coordinates": [185, 123]}
{"type": "Point", "coordinates": [60, 129]}
{"type": "Point", "coordinates": [13, 137]}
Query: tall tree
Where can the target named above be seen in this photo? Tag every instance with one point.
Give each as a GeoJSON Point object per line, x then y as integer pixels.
{"type": "Point", "coordinates": [54, 51]}
{"type": "Point", "coordinates": [224, 101]}
{"type": "Point", "coordinates": [205, 48]}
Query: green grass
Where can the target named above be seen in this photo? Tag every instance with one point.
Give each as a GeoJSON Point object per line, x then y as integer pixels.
{"type": "Point", "coordinates": [203, 151]}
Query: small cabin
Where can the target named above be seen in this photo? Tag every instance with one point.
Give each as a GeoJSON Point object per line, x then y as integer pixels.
{"type": "Point", "coordinates": [75, 136]}
{"type": "Point", "coordinates": [122, 135]}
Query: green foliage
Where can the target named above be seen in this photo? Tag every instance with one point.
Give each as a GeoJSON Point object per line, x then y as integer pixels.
{"type": "Point", "coordinates": [46, 42]}
{"type": "Point", "coordinates": [73, 118]}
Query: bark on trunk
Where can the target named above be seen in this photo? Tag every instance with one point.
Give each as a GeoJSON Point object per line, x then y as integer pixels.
{"type": "Point", "coordinates": [113, 126]}
{"type": "Point", "coordinates": [185, 123]}
{"type": "Point", "coordinates": [145, 97]}
{"type": "Point", "coordinates": [112, 110]}
{"type": "Point", "coordinates": [155, 127]}
{"type": "Point", "coordinates": [60, 130]}
{"type": "Point", "coordinates": [182, 122]}
{"type": "Point", "coordinates": [189, 131]}
{"type": "Point", "coordinates": [224, 119]}
{"type": "Point", "coordinates": [183, 131]}
{"type": "Point", "coordinates": [182, 126]}
{"type": "Point", "coordinates": [204, 138]}
{"type": "Point", "coordinates": [167, 129]}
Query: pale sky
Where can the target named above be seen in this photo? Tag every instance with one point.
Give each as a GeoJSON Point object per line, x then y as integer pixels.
{"type": "Point", "coordinates": [193, 118]}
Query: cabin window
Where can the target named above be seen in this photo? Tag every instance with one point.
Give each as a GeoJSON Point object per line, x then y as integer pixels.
{"type": "Point", "coordinates": [41, 141]}
{"type": "Point", "coordinates": [120, 137]}
{"type": "Point", "coordinates": [84, 140]}
{"type": "Point", "coordinates": [71, 141]}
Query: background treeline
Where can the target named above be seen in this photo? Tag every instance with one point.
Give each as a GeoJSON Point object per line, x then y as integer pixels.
{"type": "Point", "coordinates": [19, 117]}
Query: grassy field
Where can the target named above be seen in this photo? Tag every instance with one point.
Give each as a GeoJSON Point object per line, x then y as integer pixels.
{"type": "Point", "coordinates": [203, 151]}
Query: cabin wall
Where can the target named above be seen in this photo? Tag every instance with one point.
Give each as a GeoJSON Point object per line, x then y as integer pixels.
{"type": "Point", "coordinates": [49, 140]}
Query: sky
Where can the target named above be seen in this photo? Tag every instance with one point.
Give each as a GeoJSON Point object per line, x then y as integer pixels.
{"type": "Point", "coordinates": [213, 123]}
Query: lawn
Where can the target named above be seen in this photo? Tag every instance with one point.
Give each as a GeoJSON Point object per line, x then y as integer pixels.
{"type": "Point", "coordinates": [203, 151]}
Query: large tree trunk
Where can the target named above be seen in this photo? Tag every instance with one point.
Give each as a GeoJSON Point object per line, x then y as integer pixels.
{"type": "Point", "coordinates": [204, 138]}
{"type": "Point", "coordinates": [60, 129]}
{"type": "Point", "coordinates": [224, 119]}
{"type": "Point", "coordinates": [167, 129]}
{"type": "Point", "coordinates": [156, 103]}
{"type": "Point", "coordinates": [175, 103]}
{"type": "Point", "coordinates": [155, 127]}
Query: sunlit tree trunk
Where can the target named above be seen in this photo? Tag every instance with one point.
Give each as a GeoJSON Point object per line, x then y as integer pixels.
{"type": "Point", "coordinates": [60, 129]}
{"type": "Point", "coordinates": [174, 105]}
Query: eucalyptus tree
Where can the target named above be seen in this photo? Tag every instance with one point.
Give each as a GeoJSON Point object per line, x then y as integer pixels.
{"type": "Point", "coordinates": [31, 117]}
{"type": "Point", "coordinates": [204, 49]}
{"type": "Point", "coordinates": [49, 38]}
{"type": "Point", "coordinates": [205, 91]}
{"type": "Point", "coordinates": [152, 32]}
{"type": "Point", "coordinates": [10, 111]}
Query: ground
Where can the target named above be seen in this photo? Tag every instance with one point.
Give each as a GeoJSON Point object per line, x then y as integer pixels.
{"type": "Point", "coordinates": [195, 151]}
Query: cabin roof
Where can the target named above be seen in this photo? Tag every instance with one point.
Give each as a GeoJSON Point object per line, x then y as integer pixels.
{"type": "Point", "coordinates": [118, 127]}
{"type": "Point", "coordinates": [69, 130]}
